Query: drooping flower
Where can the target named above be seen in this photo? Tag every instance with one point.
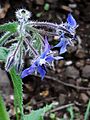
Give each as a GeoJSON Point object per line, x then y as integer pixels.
{"type": "Point", "coordinates": [40, 63]}
{"type": "Point", "coordinates": [71, 24]}
{"type": "Point", "coordinates": [63, 45]}
{"type": "Point", "coordinates": [64, 42]}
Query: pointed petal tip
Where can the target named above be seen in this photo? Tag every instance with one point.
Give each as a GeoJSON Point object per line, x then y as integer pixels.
{"type": "Point", "coordinates": [71, 20]}
{"type": "Point", "coordinates": [28, 71]}
{"type": "Point", "coordinates": [41, 71]}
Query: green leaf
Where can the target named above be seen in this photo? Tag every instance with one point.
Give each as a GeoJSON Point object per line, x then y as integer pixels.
{"type": "Point", "coordinates": [37, 42]}
{"type": "Point", "coordinates": [70, 110]}
{"type": "Point", "coordinates": [18, 95]}
{"type": "Point", "coordinates": [3, 113]}
{"type": "Point", "coordinates": [52, 116]}
{"type": "Point", "coordinates": [39, 14]}
{"type": "Point", "coordinates": [46, 6]}
{"type": "Point", "coordinates": [5, 37]}
{"type": "Point", "coordinates": [37, 39]}
{"type": "Point", "coordinates": [12, 27]}
{"type": "Point", "coordinates": [87, 113]}
{"type": "Point", "coordinates": [3, 53]}
{"type": "Point", "coordinates": [38, 114]}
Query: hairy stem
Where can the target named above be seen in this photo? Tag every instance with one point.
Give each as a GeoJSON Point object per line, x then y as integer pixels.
{"type": "Point", "coordinates": [48, 25]}
{"type": "Point", "coordinates": [31, 47]}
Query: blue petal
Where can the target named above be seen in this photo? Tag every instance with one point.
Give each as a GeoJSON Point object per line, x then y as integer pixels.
{"type": "Point", "coordinates": [49, 59]}
{"type": "Point", "coordinates": [63, 49]}
{"type": "Point", "coordinates": [60, 43]}
{"type": "Point", "coordinates": [46, 50]}
{"type": "Point", "coordinates": [41, 71]}
{"type": "Point", "coordinates": [71, 21]}
{"type": "Point", "coordinates": [47, 46]}
{"type": "Point", "coordinates": [28, 71]}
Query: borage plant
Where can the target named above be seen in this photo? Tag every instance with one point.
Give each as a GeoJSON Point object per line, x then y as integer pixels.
{"type": "Point", "coordinates": [29, 38]}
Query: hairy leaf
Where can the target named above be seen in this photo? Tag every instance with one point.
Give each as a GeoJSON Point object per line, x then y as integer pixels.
{"type": "Point", "coordinates": [3, 113]}
{"type": "Point", "coordinates": [37, 42]}
{"type": "Point", "coordinates": [18, 95]}
{"type": "Point", "coordinates": [3, 53]}
{"type": "Point", "coordinates": [12, 27]}
{"type": "Point", "coordinates": [38, 114]}
{"type": "Point", "coordinates": [37, 39]}
{"type": "Point", "coordinates": [5, 37]}
{"type": "Point", "coordinates": [70, 110]}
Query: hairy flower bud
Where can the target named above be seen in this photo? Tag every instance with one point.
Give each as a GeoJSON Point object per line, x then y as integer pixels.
{"type": "Point", "coordinates": [23, 15]}
{"type": "Point", "coordinates": [9, 62]}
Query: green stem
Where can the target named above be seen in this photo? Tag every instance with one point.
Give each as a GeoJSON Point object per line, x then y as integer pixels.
{"type": "Point", "coordinates": [3, 113]}
{"type": "Point", "coordinates": [86, 117]}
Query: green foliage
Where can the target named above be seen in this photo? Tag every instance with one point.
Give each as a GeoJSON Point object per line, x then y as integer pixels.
{"type": "Point", "coordinates": [38, 114]}
{"type": "Point", "coordinates": [3, 53]}
{"type": "Point", "coordinates": [36, 38]}
{"type": "Point", "coordinates": [87, 113]}
{"type": "Point", "coordinates": [18, 95]}
{"type": "Point", "coordinates": [37, 42]}
{"type": "Point", "coordinates": [3, 113]}
{"type": "Point", "coordinates": [5, 37]}
{"type": "Point", "coordinates": [52, 116]}
{"type": "Point", "coordinates": [70, 110]}
{"type": "Point", "coordinates": [46, 6]}
{"type": "Point", "coordinates": [39, 14]}
{"type": "Point", "coordinates": [12, 27]}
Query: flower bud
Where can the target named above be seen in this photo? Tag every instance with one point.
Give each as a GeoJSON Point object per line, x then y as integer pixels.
{"type": "Point", "coordinates": [9, 62]}
{"type": "Point", "coordinates": [23, 15]}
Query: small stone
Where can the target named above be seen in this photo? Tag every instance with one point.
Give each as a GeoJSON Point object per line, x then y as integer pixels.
{"type": "Point", "coordinates": [72, 5]}
{"type": "Point", "coordinates": [88, 92]}
{"type": "Point", "coordinates": [80, 53]}
{"type": "Point", "coordinates": [65, 117]}
{"type": "Point", "coordinates": [86, 71]}
{"type": "Point", "coordinates": [51, 1]}
{"type": "Point", "coordinates": [62, 98]}
{"type": "Point", "coordinates": [40, 2]}
{"type": "Point", "coordinates": [61, 63]}
{"type": "Point", "coordinates": [67, 63]}
{"type": "Point", "coordinates": [80, 63]}
{"type": "Point", "coordinates": [76, 109]}
{"type": "Point", "coordinates": [5, 83]}
{"type": "Point", "coordinates": [89, 84]}
{"type": "Point", "coordinates": [66, 8]}
{"type": "Point", "coordinates": [72, 72]}
{"type": "Point", "coordinates": [78, 81]}
{"type": "Point", "coordinates": [71, 81]}
{"type": "Point", "coordinates": [84, 97]}
{"type": "Point", "coordinates": [88, 61]}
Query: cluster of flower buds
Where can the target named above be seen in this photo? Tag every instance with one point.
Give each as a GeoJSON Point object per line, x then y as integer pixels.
{"type": "Point", "coordinates": [29, 35]}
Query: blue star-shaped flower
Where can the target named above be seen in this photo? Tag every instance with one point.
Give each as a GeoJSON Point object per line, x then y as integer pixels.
{"type": "Point", "coordinates": [63, 45]}
{"type": "Point", "coordinates": [40, 63]}
{"type": "Point", "coordinates": [71, 24]}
